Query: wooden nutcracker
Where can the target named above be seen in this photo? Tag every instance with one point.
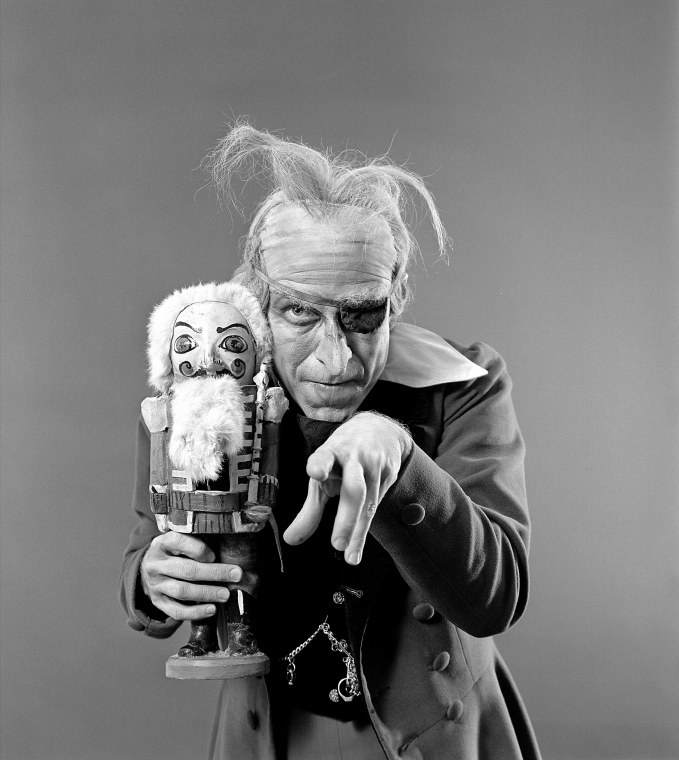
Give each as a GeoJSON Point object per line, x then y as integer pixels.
{"type": "Point", "coordinates": [214, 454]}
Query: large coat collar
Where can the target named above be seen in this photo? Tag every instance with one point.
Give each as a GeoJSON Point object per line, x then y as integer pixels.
{"type": "Point", "coordinates": [419, 358]}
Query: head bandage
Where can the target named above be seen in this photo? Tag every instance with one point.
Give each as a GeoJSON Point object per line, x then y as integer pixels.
{"type": "Point", "coordinates": [345, 245]}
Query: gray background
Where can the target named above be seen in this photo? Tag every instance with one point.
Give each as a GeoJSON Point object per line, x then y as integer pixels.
{"type": "Point", "coordinates": [548, 132]}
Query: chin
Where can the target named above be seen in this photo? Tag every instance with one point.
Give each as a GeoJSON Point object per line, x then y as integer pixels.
{"type": "Point", "coordinates": [330, 403]}
{"type": "Point", "coordinates": [328, 414]}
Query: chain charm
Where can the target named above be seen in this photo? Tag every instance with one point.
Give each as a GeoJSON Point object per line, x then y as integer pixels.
{"type": "Point", "coordinates": [347, 687]}
{"type": "Point", "coordinates": [291, 670]}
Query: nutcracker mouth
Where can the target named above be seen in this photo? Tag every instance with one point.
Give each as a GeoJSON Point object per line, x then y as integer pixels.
{"type": "Point", "coordinates": [212, 373]}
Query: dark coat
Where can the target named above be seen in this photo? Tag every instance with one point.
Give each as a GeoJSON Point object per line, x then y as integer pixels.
{"type": "Point", "coordinates": [446, 569]}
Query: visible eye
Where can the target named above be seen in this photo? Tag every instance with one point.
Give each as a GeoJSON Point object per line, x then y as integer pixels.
{"type": "Point", "coordinates": [300, 315]}
{"type": "Point", "coordinates": [234, 343]}
{"type": "Point", "coordinates": [184, 343]}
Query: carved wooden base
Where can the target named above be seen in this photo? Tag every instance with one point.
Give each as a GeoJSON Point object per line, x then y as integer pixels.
{"type": "Point", "coordinates": [217, 666]}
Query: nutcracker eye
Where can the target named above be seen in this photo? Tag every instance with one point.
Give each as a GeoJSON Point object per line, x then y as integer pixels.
{"type": "Point", "coordinates": [234, 343]}
{"type": "Point", "coordinates": [184, 343]}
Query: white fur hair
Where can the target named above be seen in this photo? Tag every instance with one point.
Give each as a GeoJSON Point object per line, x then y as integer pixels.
{"type": "Point", "coordinates": [163, 317]}
{"type": "Point", "coordinates": [208, 422]}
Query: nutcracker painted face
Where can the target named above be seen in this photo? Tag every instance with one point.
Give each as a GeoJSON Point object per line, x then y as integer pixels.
{"type": "Point", "coordinates": [211, 338]}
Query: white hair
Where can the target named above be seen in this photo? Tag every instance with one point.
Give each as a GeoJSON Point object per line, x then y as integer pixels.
{"type": "Point", "coordinates": [292, 171]}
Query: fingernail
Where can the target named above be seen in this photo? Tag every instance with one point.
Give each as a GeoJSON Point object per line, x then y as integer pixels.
{"type": "Point", "coordinates": [340, 544]}
{"type": "Point", "coordinates": [223, 594]}
{"type": "Point", "coordinates": [211, 609]}
{"type": "Point", "coordinates": [236, 574]}
{"type": "Point", "coordinates": [354, 558]}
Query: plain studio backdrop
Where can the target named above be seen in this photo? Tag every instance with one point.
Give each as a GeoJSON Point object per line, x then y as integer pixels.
{"type": "Point", "coordinates": [547, 131]}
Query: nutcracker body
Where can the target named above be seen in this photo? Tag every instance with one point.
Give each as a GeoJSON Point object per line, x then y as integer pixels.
{"type": "Point", "coordinates": [214, 456]}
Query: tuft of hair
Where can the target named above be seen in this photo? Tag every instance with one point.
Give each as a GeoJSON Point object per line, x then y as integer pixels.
{"type": "Point", "coordinates": [208, 423]}
{"type": "Point", "coordinates": [292, 171]}
{"type": "Point", "coordinates": [164, 315]}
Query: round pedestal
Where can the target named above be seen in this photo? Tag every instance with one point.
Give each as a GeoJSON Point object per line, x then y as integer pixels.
{"type": "Point", "coordinates": [217, 666]}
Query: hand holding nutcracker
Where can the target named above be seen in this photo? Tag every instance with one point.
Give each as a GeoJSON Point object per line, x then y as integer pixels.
{"type": "Point", "coordinates": [214, 446]}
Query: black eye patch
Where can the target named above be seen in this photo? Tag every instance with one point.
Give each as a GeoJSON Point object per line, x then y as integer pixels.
{"type": "Point", "coordinates": [363, 319]}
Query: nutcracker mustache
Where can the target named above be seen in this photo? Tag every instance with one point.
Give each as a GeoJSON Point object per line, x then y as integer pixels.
{"type": "Point", "coordinates": [213, 368]}
{"type": "Point", "coordinates": [208, 419]}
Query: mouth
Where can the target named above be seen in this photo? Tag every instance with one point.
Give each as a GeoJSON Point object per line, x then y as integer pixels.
{"type": "Point", "coordinates": [334, 383]}
{"type": "Point", "coordinates": [334, 391]}
{"type": "Point", "coordinates": [215, 373]}
{"type": "Point", "coordinates": [332, 400]}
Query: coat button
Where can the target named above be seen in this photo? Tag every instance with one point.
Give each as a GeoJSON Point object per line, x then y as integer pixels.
{"type": "Point", "coordinates": [455, 710]}
{"type": "Point", "coordinates": [441, 661]}
{"type": "Point", "coordinates": [423, 612]}
{"type": "Point", "coordinates": [412, 514]}
{"type": "Point", "coordinates": [253, 720]}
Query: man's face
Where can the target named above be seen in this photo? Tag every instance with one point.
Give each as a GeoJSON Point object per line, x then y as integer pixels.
{"type": "Point", "coordinates": [329, 358]}
{"type": "Point", "coordinates": [212, 338]}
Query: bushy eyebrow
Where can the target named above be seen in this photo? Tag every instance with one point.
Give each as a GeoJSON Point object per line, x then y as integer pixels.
{"type": "Point", "coordinates": [285, 299]}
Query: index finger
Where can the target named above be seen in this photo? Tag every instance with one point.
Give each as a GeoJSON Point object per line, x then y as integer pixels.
{"type": "Point", "coordinates": [210, 572]}
{"type": "Point", "coordinates": [186, 545]}
{"type": "Point", "coordinates": [320, 464]}
{"type": "Point", "coordinates": [309, 516]}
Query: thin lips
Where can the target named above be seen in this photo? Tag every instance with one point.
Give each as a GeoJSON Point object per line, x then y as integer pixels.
{"type": "Point", "coordinates": [341, 382]}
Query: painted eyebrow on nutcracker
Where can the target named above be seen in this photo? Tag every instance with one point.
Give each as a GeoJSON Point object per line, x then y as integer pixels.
{"type": "Point", "coordinates": [186, 324]}
{"type": "Point", "coordinates": [235, 324]}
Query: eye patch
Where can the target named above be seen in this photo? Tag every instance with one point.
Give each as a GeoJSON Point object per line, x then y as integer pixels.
{"type": "Point", "coordinates": [363, 319]}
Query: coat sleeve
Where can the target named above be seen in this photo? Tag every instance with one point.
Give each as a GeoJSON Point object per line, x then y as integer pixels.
{"type": "Point", "coordinates": [142, 615]}
{"type": "Point", "coordinates": [457, 526]}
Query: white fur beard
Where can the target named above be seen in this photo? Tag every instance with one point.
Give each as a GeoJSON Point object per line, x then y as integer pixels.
{"type": "Point", "coordinates": [208, 422]}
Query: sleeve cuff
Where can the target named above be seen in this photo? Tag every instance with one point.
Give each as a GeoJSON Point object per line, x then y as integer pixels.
{"type": "Point", "coordinates": [404, 503]}
{"type": "Point", "coordinates": [143, 614]}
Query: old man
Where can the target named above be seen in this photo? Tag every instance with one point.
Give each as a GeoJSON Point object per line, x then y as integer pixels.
{"type": "Point", "coordinates": [402, 499]}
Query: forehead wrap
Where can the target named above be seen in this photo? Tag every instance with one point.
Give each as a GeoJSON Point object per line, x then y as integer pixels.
{"type": "Point", "coordinates": [303, 251]}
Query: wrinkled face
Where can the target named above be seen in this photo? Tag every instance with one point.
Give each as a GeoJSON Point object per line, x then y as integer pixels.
{"type": "Point", "coordinates": [329, 357]}
{"type": "Point", "coordinates": [212, 338]}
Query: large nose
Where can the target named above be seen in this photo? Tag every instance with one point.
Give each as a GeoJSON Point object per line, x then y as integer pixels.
{"type": "Point", "coordinates": [332, 349]}
{"type": "Point", "coordinates": [209, 361]}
